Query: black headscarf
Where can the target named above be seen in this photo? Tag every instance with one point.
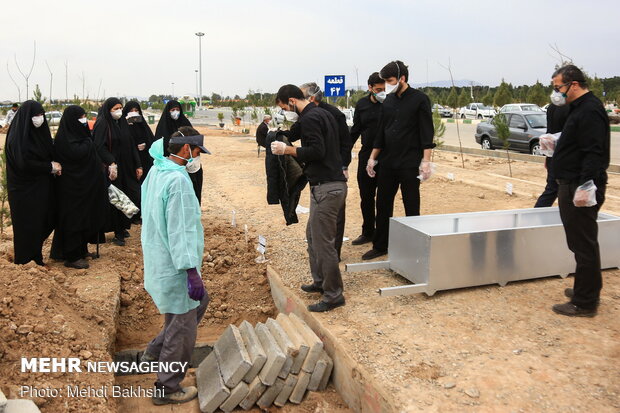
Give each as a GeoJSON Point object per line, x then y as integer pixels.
{"type": "Point", "coordinates": [24, 141]}
{"type": "Point", "coordinates": [167, 126]}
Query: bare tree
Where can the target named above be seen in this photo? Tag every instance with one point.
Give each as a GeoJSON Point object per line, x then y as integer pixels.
{"type": "Point", "coordinates": [66, 81]}
{"type": "Point", "coordinates": [563, 59]}
{"type": "Point", "coordinates": [19, 91]}
{"type": "Point", "coordinates": [458, 132]}
{"type": "Point", "coordinates": [51, 79]}
{"type": "Point", "coordinates": [83, 79]}
{"type": "Point", "coordinates": [27, 76]}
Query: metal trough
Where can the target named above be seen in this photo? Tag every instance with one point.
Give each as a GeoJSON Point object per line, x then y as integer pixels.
{"type": "Point", "coordinates": [442, 252]}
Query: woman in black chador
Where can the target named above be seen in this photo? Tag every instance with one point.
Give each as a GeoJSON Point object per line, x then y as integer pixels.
{"type": "Point", "coordinates": [172, 118]}
{"type": "Point", "coordinates": [81, 190]}
{"type": "Point", "coordinates": [30, 171]}
{"type": "Point", "coordinates": [141, 134]}
{"type": "Point", "coordinates": [118, 152]}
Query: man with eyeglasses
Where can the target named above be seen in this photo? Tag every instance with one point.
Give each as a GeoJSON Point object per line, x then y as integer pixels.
{"type": "Point", "coordinates": [580, 159]}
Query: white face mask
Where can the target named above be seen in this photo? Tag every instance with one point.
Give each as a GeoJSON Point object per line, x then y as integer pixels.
{"type": "Point", "coordinates": [37, 121]}
{"type": "Point", "coordinates": [390, 88]}
{"type": "Point", "coordinates": [194, 165]}
{"type": "Point", "coordinates": [557, 98]}
{"type": "Point", "coordinates": [116, 114]}
{"type": "Point", "coordinates": [83, 121]}
{"type": "Point", "coordinates": [380, 96]}
{"type": "Point", "coordinates": [174, 114]}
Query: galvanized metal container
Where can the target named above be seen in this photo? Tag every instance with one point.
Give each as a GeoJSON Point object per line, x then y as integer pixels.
{"type": "Point", "coordinates": [441, 252]}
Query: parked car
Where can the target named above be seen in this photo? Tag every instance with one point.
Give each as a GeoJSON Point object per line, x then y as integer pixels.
{"type": "Point", "coordinates": [525, 129]}
{"type": "Point", "coordinates": [523, 107]}
{"type": "Point", "coordinates": [443, 111]}
{"type": "Point", "coordinates": [53, 117]}
{"type": "Point", "coordinates": [476, 111]}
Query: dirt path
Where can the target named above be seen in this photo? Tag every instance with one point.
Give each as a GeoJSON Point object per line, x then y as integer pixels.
{"type": "Point", "coordinates": [478, 349]}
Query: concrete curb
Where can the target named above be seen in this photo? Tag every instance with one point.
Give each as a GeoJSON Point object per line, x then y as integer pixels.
{"type": "Point", "coordinates": [358, 388]}
{"type": "Point", "coordinates": [498, 153]}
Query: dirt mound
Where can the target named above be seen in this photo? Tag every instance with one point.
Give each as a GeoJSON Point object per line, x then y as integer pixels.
{"type": "Point", "coordinates": [41, 315]}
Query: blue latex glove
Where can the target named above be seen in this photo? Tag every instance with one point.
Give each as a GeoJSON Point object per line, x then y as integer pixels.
{"type": "Point", "coordinates": [195, 287]}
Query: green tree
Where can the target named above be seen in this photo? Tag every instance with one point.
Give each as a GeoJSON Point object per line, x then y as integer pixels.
{"type": "Point", "coordinates": [464, 97]}
{"type": "Point", "coordinates": [596, 87]}
{"type": "Point", "coordinates": [503, 133]}
{"type": "Point", "coordinates": [452, 99]}
{"type": "Point", "coordinates": [440, 128]}
{"type": "Point", "coordinates": [487, 99]}
{"type": "Point", "coordinates": [36, 94]}
{"type": "Point", "coordinates": [537, 95]}
{"type": "Point", "coordinates": [503, 95]}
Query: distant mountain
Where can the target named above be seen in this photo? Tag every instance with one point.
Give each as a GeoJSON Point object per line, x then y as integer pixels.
{"type": "Point", "coordinates": [447, 83]}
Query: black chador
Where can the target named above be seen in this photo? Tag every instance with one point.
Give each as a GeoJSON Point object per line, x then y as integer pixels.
{"type": "Point", "coordinates": [115, 146]}
{"type": "Point", "coordinates": [29, 156]}
{"type": "Point", "coordinates": [83, 203]}
{"type": "Point", "coordinates": [166, 127]}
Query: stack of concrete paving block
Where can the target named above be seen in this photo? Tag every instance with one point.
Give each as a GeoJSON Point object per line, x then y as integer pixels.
{"type": "Point", "coordinates": [271, 363]}
{"type": "Point", "coordinates": [17, 405]}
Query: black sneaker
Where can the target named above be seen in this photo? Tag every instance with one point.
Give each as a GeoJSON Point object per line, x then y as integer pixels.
{"type": "Point", "coordinates": [184, 395]}
{"type": "Point", "coordinates": [372, 254]}
{"type": "Point", "coordinates": [80, 264]}
{"type": "Point", "coordinates": [571, 310]}
{"type": "Point", "coordinates": [362, 239]}
{"type": "Point", "coordinates": [118, 241]}
{"type": "Point", "coordinates": [322, 306]}
{"type": "Point", "coordinates": [312, 288]}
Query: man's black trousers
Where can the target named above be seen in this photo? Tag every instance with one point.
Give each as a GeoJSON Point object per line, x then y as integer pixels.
{"type": "Point", "coordinates": [581, 231]}
{"type": "Point", "coordinates": [388, 181]}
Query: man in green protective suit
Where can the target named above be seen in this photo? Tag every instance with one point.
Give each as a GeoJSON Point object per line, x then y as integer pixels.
{"type": "Point", "coordinates": [172, 245]}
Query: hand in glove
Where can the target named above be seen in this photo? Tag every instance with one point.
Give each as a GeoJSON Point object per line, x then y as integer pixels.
{"type": "Point", "coordinates": [585, 195]}
{"type": "Point", "coordinates": [278, 148]}
{"type": "Point", "coordinates": [370, 167]}
{"type": "Point", "coordinates": [195, 287]}
{"type": "Point", "coordinates": [426, 170]}
{"type": "Point", "coordinates": [112, 172]}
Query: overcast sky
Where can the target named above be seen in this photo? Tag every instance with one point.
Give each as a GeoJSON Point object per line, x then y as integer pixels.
{"type": "Point", "coordinates": [137, 48]}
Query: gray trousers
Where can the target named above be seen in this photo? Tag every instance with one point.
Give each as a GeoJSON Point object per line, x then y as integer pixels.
{"type": "Point", "coordinates": [326, 202]}
{"type": "Point", "coordinates": [176, 342]}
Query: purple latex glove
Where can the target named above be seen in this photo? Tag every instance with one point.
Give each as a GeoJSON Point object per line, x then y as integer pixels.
{"type": "Point", "coordinates": [195, 287]}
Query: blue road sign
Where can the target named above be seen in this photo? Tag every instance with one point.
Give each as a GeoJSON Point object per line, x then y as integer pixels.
{"type": "Point", "coordinates": [334, 85]}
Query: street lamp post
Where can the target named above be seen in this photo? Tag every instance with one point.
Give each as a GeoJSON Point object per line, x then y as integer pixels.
{"type": "Point", "coordinates": [196, 71]}
{"type": "Point", "coordinates": [200, 34]}
{"type": "Point", "coordinates": [172, 90]}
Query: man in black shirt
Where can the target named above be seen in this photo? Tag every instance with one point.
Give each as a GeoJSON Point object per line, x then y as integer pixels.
{"type": "Point", "coordinates": [556, 117]}
{"type": "Point", "coordinates": [365, 122]}
{"type": "Point", "coordinates": [314, 94]}
{"type": "Point", "coordinates": [581, 157]}
{"type": "Point", "coordinates": [320, 154]}
{"type": "Point", "coordinates": [403, 148]}
{"type": "Point", "coordinates": [262, 130]}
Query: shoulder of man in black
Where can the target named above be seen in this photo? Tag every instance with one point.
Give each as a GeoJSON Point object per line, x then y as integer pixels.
{"type": "Point", "coordinates": [336, 113]}
{"type": "Point", "coordinates": [363, 103]}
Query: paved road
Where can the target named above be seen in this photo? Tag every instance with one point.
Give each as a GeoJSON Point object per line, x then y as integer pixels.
{"type": "Point", "coordinates": [468, 139]}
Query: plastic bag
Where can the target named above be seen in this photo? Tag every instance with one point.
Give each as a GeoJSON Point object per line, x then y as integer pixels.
{"type": "Point", "coordinates": [585, 195]}
{"type": "Point", "coordinates": [426, 170]}
{"type": "Point", "coordinates": [122, 202]}
{"type": "Point", "coordinates": [548, 142]}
